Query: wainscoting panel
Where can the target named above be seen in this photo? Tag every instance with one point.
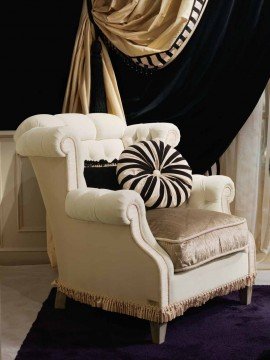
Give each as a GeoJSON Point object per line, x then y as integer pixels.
{"type": "Point", "coordinates": [22, 213]}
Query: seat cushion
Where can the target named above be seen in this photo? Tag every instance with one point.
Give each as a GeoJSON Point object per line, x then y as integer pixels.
{"type": "Point", "coordinates": [193, 237]}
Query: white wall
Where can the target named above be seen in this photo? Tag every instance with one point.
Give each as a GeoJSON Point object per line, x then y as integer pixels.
{"type": "Point", "coordinates": [22, 213]}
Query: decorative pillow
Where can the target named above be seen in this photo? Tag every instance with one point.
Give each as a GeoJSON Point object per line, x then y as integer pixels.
{"type": "Point", "coordinates": [157, 172]}
{"type": "Point", "coordinates": [101, 174]}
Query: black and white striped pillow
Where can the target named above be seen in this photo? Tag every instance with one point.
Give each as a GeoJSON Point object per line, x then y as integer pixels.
{"type": "Point", "coordinates": [157, 172]}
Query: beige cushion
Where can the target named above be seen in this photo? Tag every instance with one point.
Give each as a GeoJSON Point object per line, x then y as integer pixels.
{"type": "Point", "coordinates": [193, 237]}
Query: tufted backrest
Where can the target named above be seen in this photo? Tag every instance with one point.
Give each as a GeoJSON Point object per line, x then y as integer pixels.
{"type": "Point", "coordinates": [100, 134]}
{"type": "Point", "coordinates": [141, 132]}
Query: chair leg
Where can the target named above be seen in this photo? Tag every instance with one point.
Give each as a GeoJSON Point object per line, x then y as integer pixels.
{"type": "Point", "coordinates": [245, 295]}
{"type": "Point", "coordinates": [60, 300]}
{"type": "Point", "coordinates": [158, 332]}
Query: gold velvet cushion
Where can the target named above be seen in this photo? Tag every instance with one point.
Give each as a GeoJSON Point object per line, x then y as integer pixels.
{"type": "Point", "coordinates": [193, 237]}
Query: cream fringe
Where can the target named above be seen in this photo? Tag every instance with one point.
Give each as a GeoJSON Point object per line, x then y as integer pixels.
{"type": "Point", "coordinates": [149, 312]}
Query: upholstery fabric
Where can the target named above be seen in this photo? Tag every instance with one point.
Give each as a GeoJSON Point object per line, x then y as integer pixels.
{"type": "Point", "coordinates": [102, 238]}
{"type": "Point", "coordinates": [214, 193]}
{"type": "Point", "coordinates": [210, 275]}
{"type": "Point", "coordinates": [194, 237]}
{"type": "Point", "coordinates": [102, 205]}
{"type": "Point", "coordinates": [157, 172]}
{"type": "Point", "coordinates": [166, 132]}
{"type": "Point", "coordinates": [86, 127]}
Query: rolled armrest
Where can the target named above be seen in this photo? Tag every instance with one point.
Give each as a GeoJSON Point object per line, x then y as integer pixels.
{"type": "Point", "coordinates": [212, 193]}
{"type": "Point", "coordinates": [166, 132]}
{"type": "Point", "coordinates": [45, 141]}
{"type": "Point", "coordinates": [106, 206]}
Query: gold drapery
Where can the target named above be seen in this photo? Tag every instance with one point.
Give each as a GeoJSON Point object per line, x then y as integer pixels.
{"type": "Point", "coordinates": [141, 27]}
{"type": "Point", "coordinates": [79, 82]}
{"type": "Point", "coordinates": [151, 33]}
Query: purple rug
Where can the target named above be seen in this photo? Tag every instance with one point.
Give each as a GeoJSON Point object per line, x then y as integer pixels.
{"type": "Point", "coordinates": [222, 329]}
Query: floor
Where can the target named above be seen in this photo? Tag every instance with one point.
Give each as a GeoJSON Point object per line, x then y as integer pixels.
{"type": "Point", "coordinates": [23, 290]}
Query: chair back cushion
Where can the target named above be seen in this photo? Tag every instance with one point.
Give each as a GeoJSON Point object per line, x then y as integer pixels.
{"type": "Point", "coordinates": [100, 134]}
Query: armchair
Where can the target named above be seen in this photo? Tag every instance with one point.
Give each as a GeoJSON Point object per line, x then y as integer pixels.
{"type": "Point", "coordinates": [106, 252]}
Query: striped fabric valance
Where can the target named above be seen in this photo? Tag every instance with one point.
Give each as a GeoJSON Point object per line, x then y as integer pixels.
{"type": "Point", "coordinates": [160, 59]}
{"type": "Point", "coordinates": [147, 34]}
{"type": "Point", "coordinates": [151, 33]}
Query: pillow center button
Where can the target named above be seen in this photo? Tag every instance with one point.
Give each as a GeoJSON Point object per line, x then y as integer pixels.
{"type": "Point", "coordinates": [156, 173]}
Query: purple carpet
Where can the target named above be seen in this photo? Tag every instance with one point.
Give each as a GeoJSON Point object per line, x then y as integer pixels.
{"type": "Point", "coordinates": [222, 329]}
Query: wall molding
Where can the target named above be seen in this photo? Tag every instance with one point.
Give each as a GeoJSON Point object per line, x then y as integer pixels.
{"type": "Point", "coordinates": [24, 249]}
{"type": "Point", "coordinates": [19, 195]}
{"type": "Point", "coordinates": [14, 257]}
{"type": "Point", "coordinates": [22, 220]}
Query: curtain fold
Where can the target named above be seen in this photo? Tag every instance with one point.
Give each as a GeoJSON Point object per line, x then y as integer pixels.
{"type": "Point", "coordinates": [77, 97]}
{"type": "Point", "coordinates": [148, 34]}
{"type": "Point", "coordinates": [246, 161]}
{"type": "Point", "coordinates": [263, 255]}
{"type": "Point", "coordinates": [198, 91]}
{"type": "Point", "coordinates": [151, 33]}
{"type": "Point", "coordinates": [264, 242]}
{"type": "Point", "coordinates": [212, 87]}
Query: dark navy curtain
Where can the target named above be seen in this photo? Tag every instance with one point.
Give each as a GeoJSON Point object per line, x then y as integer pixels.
{"type": "Point", "coordinates": [36, 48]}
{"type": "Point", "coordinates": [211, 88]}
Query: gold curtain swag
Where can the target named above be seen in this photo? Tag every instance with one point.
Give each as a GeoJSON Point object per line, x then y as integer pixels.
{"type": "Point", "coordinates": [151, 33]}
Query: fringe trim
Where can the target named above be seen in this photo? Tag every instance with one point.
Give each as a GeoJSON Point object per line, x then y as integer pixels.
{"type": "Point", "coordinates": [100, 163]}
{"type": "Point", "coordinates": [150, 312]}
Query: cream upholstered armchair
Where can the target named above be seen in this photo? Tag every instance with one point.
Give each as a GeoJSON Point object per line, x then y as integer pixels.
{"type": "Point", "coordinates": [107, 254]}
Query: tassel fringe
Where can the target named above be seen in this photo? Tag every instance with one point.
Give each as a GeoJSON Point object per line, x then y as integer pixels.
{"type": "Point", "coordinates": [150, 312]}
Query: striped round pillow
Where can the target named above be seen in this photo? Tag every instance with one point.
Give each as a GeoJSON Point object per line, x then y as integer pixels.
{"type": "Point", "coordinates": [157, 172]}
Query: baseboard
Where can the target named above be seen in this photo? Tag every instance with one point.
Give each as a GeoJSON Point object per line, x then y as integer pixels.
{"type": "Point", "coordinates": [23, 257]}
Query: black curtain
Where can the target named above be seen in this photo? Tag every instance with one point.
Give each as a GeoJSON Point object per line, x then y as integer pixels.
{"type": "Point", "coordinates": [212, 87]}
{"type": "Point", "coordinates": [36, 48]}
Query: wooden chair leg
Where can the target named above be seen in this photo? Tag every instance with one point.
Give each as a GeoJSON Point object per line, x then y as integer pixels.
{"type": "Point", "coordinates": [245, 295]}
{"type": "Point", "coordinates": [60, 300]}
{"type": "Point", "coordinates": [158, 332]}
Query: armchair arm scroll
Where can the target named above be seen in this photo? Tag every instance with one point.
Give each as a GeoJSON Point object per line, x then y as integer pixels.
{"type": "Point", "coordinates": [46, 141]}
{"type": "Point", "coordinates": [101, 205]}
{"type": "Point", "coordinates": [167, 132]}
{"type": "Point", "coordinates": [212, 193]}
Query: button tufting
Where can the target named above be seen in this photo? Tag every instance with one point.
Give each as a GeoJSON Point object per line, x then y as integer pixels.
{"type": "Point", "coordinates": [156, 173]}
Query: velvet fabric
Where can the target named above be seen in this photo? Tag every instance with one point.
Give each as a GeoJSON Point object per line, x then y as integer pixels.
{"type": "Point", "coordinates": [37, 42]}
{"type": "Point", "coordinates": [193, 237]}
{"type": "Point", "coordinates": [221, 329]}
{"type": "Point", "coordinates": [101, 174]}
{"type": "Point", "coordinates": [211, 88]}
